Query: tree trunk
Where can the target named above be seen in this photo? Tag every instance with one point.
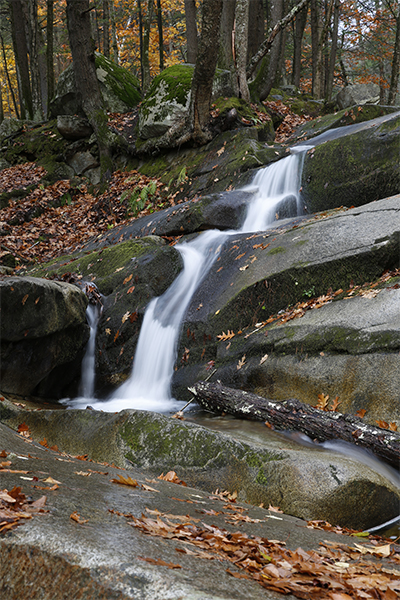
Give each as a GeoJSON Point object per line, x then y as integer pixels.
{"type": "Point", "coordinates": [241, 37]}
{"type": "Point", "coordinates": [332, 57]}
{"type": "Point", "coordinates": [394, 80]}
{"type": "Point", "coordinates": [106, 29]}
{"type": "Point", "coordinates": [277, 8]}
{"type": "Point", "coordinates": [256, 26]}
{"type": "Point", "coordinates": [297, 416]}
{"type": "Point", "coordinates": [191, 31]}
{"type": "Point", "coordinates": [1, 104]}
{"type": "Point", "coordinates": [82, 49]}
{"type": "Point", "coordinates": [203, 76]}
{"type": "Point", "coordinates": [49, 52]}
{"type": "Point", "coordinates": [140, 15]}
{"type": "Point", "coordinates": [160, 35]}
{"type": "Point", "coordinates": [146, 45]}
{"type": "Point", "coordinates": [319, 30]}
{"type": "Point", "coordinates": [266, 45]}
{"type": "Point", "coordinates": [299, 26]}
{"type": "Point", "coordinates": [226, 51]}
{"type": "Point", "coordinates": [36, 59]}
{"type": "Point", "coordinates": [113, 32]}
{"type": "Point", "coordinates": [21, 58]}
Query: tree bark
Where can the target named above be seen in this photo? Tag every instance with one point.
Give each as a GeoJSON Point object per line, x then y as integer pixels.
{"type": "Point", "coordinates": [191, 31]}
{"type": "Point", "coordinates": [256, 26]}
{"type": "Point", "coordinates": [203, 76]}
{"type": "Point", "coordinates": [160, 35]}
{"type": "Point", "coordinates": [50, 51]}
{"type": "Point", "coordinates": [113, 32]}
{"type": "Point", "coordinates": [394, 80]}
{"type": "Point", "coordinates": [37, 64]}
{"type": "Point", "coordinates": [106, 29]}
{"type": "Point", "coordinates": [146, 45]}
{"type": "Point", "coordinates": [299, 26]}
{"type": "Point", "coordinates": [241, 37]}
{"type": "Point", "coordinates": [332, 57]}
{"type": "Point", "coordinates": [82, 49]}
{"type": "Point", "coordinates": [226, 51]}
{"type": "Point", "coordinates": [294, 415]}
{"type": "Point", "coordinates": [21, 58]}
{"type": "Point", "coordinates": [266, 45]}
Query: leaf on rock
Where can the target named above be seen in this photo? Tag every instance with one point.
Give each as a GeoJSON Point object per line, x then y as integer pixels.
{"type": "Point", "coordinates": [222, 337]}
{"type": "Point", "coordinates": [172, 477]}
{"type": "Point", "coordinates": [77, 518]}
{"type": "Point", "coordinates": [159, 562]}
{"type": "Point", "coordinates": [125, 481]}
{"type": "Point", "coordinates": [241, 362]}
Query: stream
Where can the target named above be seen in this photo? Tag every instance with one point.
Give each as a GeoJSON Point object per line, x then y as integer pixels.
{"type": "Point", "coordinates": [149, 385]}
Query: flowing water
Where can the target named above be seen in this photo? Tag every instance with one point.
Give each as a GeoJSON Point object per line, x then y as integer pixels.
{"type": "Point", "coordinates": [148, 387]}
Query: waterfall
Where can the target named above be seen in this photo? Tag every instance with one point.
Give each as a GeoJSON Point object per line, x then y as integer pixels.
{"type": "Point", "coordinates": [86, 388]}
{"type": "Point", "coordinates": [148, 387]}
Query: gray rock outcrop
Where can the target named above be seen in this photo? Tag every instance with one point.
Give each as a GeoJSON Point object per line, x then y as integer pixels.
{"type": "Point", "coordinates": [360, 93]}
{"type": "Point", "coordinates": [43, 334]}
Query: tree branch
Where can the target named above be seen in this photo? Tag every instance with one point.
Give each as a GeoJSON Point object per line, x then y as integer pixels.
{"type": "Point", "coordinates": [266, 45]}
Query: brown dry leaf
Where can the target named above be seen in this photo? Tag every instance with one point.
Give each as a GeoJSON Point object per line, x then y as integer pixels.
{"type": "Point", "coordinates": [172, 477]}
{"type": "Point", "coordinates": [382, 424]}
{"type": "Point", "coordinates": [127, 279]}
{"type": "Point", "coordinates": [51, 480]}
{"type": "Point", "coordinates": [160, 562]}
{"type": "Point", "coordinates": [125, 481]}
{"type": "Point", "coordinates": [393, 426]}
{"type": "Point", "coordinates": [335, 404]}
{"type": "Point", "coordinates": [361, 413]}
{"type": "Point", "coordinates": [275, 509]}
{"type": "Point", "coordinates": [147, 488]}
{"type": "Point", "coordinates": [130, 290]}
{"type": "Point", "coordinates": [23, 430]}
{"type": "Point", "coordinates": [241, 362]}
{"type": "Point", "coordinates": [77, 518]}
{"type": "Point", "coordinates": [322, 402]}
{"type": "Point", "coordinates": [223, 337]}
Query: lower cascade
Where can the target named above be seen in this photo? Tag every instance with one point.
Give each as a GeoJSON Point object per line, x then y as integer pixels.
{"type": "Point", "coordinates": [148, 387]}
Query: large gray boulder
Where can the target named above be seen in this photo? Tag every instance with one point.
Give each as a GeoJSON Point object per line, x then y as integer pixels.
{"type": "Point", "coordinates": [359, 165]}
{"type": "Point", "coordinates": [104, 557]}
{"type": "Point", "coordinates": [309, 483]}
{"type": "Point", "coordinates": [360, 93]}
{"type": "Point", "coordinates": [119, 88]}
{"type": "Point", "coordinates": [128, 275]}
{"type": "Point", "coordinates": [257, 276]}
{"type": "Point", "coordinates": [169, 97]}
{"type": "Point", "coordinates": [43, 333]}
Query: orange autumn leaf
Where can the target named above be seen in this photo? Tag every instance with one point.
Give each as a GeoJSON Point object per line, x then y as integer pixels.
{"type": "Point", "coordinates": [125, 481]}
{"type": "Point", "coordinates": [172, 477]}
{"type": "Point", "coordinates": [382, 424]}
{"type": "Point", "coordinates": [77, 518]}
{"type": "Point", "coordinates": [361, 413]}
{"type": "Point", "coordinates": [127, 279]}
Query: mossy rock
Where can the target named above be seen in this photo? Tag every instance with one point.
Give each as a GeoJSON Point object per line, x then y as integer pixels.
{"type": "Point", "coordinates": [128, 275]}
{"type": "Point", "coordinates": [168, 98]}
{"type": "Point", "coordinates": [119, 88]}
{"type": "Point", "coordinates": [350, 116]}
{"type": "Point", "coordinates": [354, 169]}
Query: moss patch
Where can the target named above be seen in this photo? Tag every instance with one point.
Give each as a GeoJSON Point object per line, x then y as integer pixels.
{"type": "Point", "coordinates": [123, 84]}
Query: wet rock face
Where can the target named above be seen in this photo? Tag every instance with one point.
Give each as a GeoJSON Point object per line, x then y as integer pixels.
{"type": "Point", "coordinates": [43, 328]}
{"type": "Point", "coordinates": [306, 482]}
{"type": "Point", "coordinates": [353, 170]}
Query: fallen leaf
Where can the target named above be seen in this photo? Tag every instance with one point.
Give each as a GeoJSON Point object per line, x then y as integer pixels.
{"type": "Point", "coordinates": [159, 562]}
{"type": "Point", "coordinates": [77, 518]}
{"type": "Point", "coordinates": [222, 337]}
{"type": "Point", "coordinates": [127, 279]}
{"type": "Point", "coordinates": [172, 477]}
{"type": "Point", "coordinates": [125, 481]}
{"type": "Point", "coordinates": [241, 362]}
{"type": "Point", "coordinates": [361, 413]}
{"type": "Point", "coordinates": [51, 480]}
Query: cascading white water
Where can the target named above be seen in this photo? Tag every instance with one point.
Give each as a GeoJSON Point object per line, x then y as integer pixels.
{"type": "Point", "coordinates": [148, 387]}
{"type": "Point", "coordinates": [86, 388]}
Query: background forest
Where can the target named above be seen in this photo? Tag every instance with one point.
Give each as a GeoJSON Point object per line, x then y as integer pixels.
{"type": "Point", "coordinates": [324, 46]}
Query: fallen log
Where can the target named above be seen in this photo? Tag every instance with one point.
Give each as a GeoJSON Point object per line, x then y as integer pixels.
{"type": "Point", "coordinates": [294, 415]}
